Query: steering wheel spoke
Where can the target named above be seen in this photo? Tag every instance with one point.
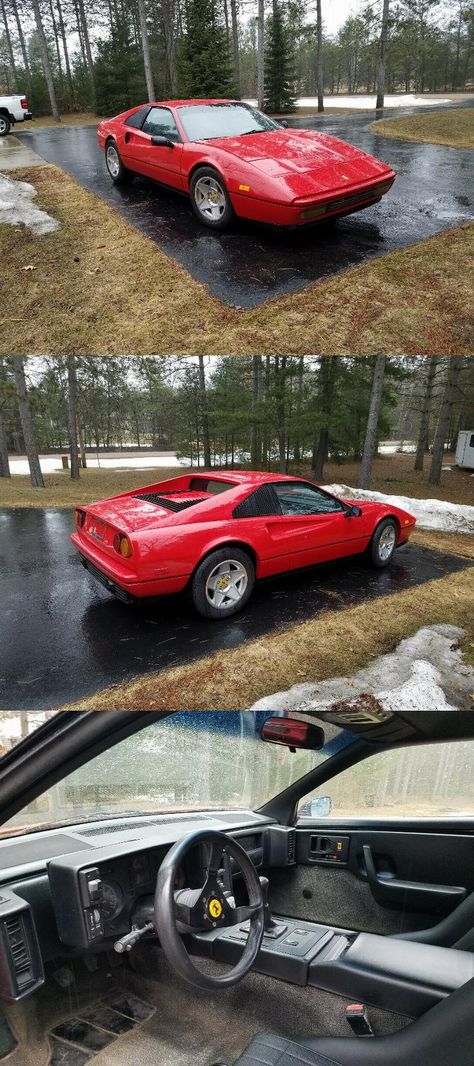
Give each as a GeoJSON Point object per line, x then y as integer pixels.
{"type": "Point", "coordinates": [189, 909]}
{"type": "Point", "coordinates": [243, 914]}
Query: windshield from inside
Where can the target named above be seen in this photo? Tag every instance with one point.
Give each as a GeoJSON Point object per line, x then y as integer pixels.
{"type": "Point", "coordinates": [203, 122]}
{"type": "Point", "coordinates": [190, 761]}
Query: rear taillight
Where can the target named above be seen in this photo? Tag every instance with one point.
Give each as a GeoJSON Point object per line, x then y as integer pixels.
{"type": "Point", "coordinates": [24, 103]}
{"type": "Point", "coordinates": [122, 545]}
{"type": "Point", "coordinates": [79, 518]}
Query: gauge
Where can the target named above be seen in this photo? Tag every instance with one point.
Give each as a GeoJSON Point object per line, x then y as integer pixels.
{"type": "Point", "coordinates": [111, 900]}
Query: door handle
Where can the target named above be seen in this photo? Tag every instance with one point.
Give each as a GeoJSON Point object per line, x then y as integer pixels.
{"type": "Point", "coordinates": [390, 891]}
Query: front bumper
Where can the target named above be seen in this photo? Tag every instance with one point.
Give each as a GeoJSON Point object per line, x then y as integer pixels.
{"type": "Point", "coordinates": [320, 210]}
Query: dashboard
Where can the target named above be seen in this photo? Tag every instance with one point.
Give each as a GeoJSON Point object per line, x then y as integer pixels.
{"type": "Point", "coordinates": [81, 889]}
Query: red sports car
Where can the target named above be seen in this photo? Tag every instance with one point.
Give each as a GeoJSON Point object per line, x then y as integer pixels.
{"type": "Point", "coordinates": [233, 160]}
{"type": "Point", "coordinates": [216, 533]}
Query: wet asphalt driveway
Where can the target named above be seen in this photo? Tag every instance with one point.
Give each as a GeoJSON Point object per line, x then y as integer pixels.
{"type": "Point", "coordinates": [249, 263]}
{"type": "Point", "coordinates": [62, 636]}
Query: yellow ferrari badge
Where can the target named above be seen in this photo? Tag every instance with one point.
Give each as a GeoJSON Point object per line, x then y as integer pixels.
{"type": "Point", "coordinates": [215, 908]}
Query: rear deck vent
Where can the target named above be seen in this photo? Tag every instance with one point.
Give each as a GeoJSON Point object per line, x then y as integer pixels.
{"type": "Point", "coordinates": [171, 505]}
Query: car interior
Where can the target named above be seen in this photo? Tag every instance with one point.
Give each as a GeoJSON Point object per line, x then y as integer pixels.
{"type": "Point", "coordinates": [238, 889]}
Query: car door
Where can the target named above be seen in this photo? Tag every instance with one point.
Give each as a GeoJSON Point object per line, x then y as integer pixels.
{"type": "Point", "coordinates": [387, 846]}
{"type": "Point", "coordinates": [312, 527]}
{"type": "Point", "coordinates": [160, 162]}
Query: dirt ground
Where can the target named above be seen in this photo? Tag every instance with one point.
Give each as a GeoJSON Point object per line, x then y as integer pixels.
{"type": "Point", "coordinates": [452, 128]}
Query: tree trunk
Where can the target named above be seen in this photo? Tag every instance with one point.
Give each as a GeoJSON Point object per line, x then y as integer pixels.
{"type": "Point", "coordinates": [254, 427]}
{"type": "Point", "coordinates": [8, 39]}
{"type": "Point", "coordinates": [206, 442]}
{"type": "Point", "coordinates": [260, 54]}
{"type": "Point", "coordinates": [21, 38]}
{"type": "Point", "coordinates": [150, 88]}
{"type": "Point", "coordinates": [29, 435]}
{"type": "Point", "coordinates": [455, 365]}
{"type": "Point", "coordinates": [382, 56]}
{"type": "Point", "coordinates": [82, 442]}
{"type": "Point", "coordinates": [56, 41]}
{"type": "Point", "coordinates": [86, 39]}
{"type": "Point", "coordinates": [423, 435]}
{"type": "Point", "coordinates": [372, 422]}
{"type": "Point", "coordinates": [4, 463]}
{"type": "Point", "coordinates": [235, 45]}
{"type": "Point", "coordinates": [320, 453]}
{"type": "Point", "coordinates": [72, 416]}
{"type": "Point", "coordinates": [280, 378]}
{"type": "Point", "coordinates": [319, 56]}
{"type": "Point", "coordinates": [43, 47]}
{"type": "Point", "coordinates": [65, 50]}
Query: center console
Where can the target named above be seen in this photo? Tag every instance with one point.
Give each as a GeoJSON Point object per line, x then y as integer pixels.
{"type": "Point", "coordinates": [397, 975]}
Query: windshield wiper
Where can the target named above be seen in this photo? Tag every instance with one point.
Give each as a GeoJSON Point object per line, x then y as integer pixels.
{"type": "Point", "coordinates": [248, 133]}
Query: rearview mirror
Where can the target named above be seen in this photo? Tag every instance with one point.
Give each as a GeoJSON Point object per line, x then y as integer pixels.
{"type": "Point", "coordinates": [293, 733]}
{"type": "Point", "coordinates": [162, 142]}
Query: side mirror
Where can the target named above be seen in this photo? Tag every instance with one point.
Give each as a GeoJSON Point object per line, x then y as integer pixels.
{"type": "Point", "coordinates": [162, 142]}
{"type": "Point", "coordinates": [316, 808]}
{"type": "Point", "coordinates": [293, 733]}
{"type": "Point", "coordinates": [284, 124]}
{"type": "Point", "coordinates": [353, 512]}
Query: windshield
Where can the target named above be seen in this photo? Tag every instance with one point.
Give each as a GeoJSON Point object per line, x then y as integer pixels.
{"type": "Point", "coordinates": [191, 761]}
{"type": "Point", "coordinates": [203, 122]}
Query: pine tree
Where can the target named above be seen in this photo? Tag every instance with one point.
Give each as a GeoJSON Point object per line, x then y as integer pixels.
{"type": "Point", "coordinates": [279, 64]}
{"type": "Point", "coordinates": [119, 75]}
{"type": "Point", "coordinates": [205, 62]}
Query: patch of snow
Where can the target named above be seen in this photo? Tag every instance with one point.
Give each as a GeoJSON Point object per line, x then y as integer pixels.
{"type": "Point", "coordinates": [426, 672]}
{"type": "Point", "coordinates": [51, 463]}
{"type": "Point", "coordinates": [16, 206]}
{"type": "Point", "coordinates": [366, 102]}
{"type": "Point", "coordinates": [429, 514]}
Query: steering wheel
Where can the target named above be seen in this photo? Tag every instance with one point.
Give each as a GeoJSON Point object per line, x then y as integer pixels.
{"type": "Point", "coordinates": [193, 910]}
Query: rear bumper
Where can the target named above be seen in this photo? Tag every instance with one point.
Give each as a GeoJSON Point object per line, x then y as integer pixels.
{"type": "Point", "coordinates": [299, 214]}
{"type": "Point", "coordinates": [124, 585]}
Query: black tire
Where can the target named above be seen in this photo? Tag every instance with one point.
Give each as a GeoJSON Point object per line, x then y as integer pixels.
{"type": "Point", "coordinates": [376, 552]}
{"type": "Point", "coordinates": [121, 175]}
{"type": "Point", "coordinates": [5, 125]}
{"type": "Point", "coordinates": [227, 213]}
{"type": "Point", "coordinates": [202, 594]}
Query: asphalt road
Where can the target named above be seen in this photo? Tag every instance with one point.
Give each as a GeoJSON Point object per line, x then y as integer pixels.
{"type": "Point", "coordinates": [249, 263]}
{"type": "Point", "coordinates": [63, 636]}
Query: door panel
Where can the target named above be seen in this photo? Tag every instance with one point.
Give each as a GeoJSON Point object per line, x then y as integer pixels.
{"type": "Point", "coordinates": [161, 163]}
{"type": "Point", "coordinates": [295, 542]}
{"type": "Point", "coordinates": [437, 868]}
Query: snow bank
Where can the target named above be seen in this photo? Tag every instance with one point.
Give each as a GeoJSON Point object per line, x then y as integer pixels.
{"type": "Point", "coordinates": [426, 672]}
{"type": "Point", "coordinates": [367, 102]}
{"type": "Point", "coordinates": [430, 514]}
{"type": "Point", "coordinates": [16, 206]}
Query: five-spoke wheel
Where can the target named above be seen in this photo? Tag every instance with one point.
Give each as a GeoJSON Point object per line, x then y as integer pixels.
{"type": "Point", "coordinates": [223, 582]}
{"type": "Point", "coordinates": [383, 543]}
{"type": "Point", "coordinates": [210, 199]}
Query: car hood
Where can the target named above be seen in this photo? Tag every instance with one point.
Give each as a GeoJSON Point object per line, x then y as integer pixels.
{"type": "Point", "coordinates": [311, 161]}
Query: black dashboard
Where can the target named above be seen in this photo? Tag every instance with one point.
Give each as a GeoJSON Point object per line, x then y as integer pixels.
{"type": "Point", "coordinates": [78, 889]}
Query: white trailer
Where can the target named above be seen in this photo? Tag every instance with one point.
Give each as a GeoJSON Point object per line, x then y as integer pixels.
{"type": "Point", "coordinates": [465, 449]}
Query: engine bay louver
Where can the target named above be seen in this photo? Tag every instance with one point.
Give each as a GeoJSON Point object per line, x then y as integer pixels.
{"type": "Point", "coordinates": [171, 505]}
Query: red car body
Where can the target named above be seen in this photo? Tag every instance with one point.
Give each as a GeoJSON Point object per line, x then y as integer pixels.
{"type": "Point", "coordinates": [170, 527]}
{"type": "Point", "coordinates": [286, 177]}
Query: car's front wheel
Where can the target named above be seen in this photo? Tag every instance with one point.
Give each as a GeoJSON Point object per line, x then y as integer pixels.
{"type": "Point", "coordinates": [383, 543]}
{"type": "Point", "coordinates": [114, 164]}
{"type": "Point", "coordinates": [223, 583]}
{"type": "Point", "coordinates": [4, 125]}
{"type": "Point", "coordinates": [210, 199]}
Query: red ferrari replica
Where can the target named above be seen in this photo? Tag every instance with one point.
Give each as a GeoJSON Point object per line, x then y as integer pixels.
{"type": "Point", "coordinates": [233, 160]}
{"type": "Point", "coordinates": [216, 533]}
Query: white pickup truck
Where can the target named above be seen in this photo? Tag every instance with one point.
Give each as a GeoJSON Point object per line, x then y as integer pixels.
{"type": "Point", "coordinates": [12, 109]}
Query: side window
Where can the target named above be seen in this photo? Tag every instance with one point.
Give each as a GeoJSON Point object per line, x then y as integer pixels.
{"type": "Point", "coordinates": [432, 781]}
{"type": "Point", "coordinates": [160, 122]}
{"type": "Point", "coordinates": [136, 120]}
{"type": "Point", "coordinates": [296, 498]}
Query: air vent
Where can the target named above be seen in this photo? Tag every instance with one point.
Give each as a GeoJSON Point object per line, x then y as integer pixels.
{"type": "Point", "coordinates": [263, 501]}
{"type": "Point", "coordinates": [171, 505]}
{"type": "Point", "coordinates": [291, 847]}
{"type": "Point", "coordinates": [19, 950]}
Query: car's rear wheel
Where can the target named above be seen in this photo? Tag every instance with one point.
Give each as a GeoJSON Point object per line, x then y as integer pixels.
{"type": "Point", "coordinates": [4, 125]}
{"type": "Point", "coordinates": [114, 164]}
{"type": "Point", "coordinates": [210, 199]}
{"type": "Point", "coordinates": [383, 543]}
{"type": "Point", "coordinates": [223, 583]}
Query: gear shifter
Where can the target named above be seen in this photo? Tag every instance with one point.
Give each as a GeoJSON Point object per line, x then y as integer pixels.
{"type": "Point", "coordinates": [271, 928]}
